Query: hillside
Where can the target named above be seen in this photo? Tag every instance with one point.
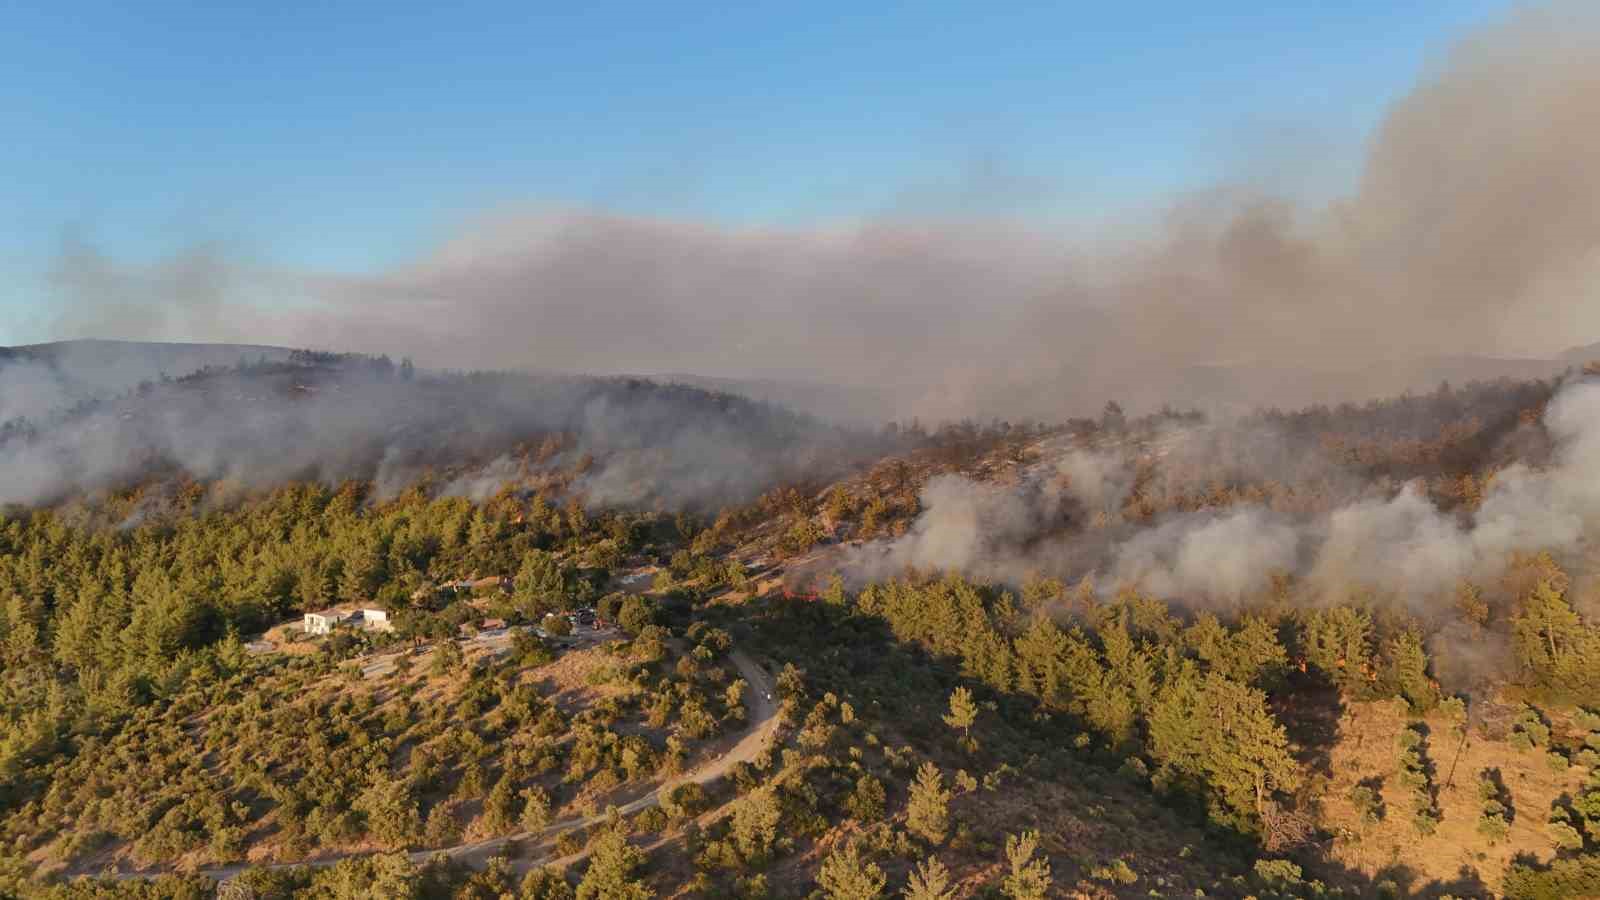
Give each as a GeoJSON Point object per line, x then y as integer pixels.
{"type": "Point", "coordinates": [331, 417]}
{"type": "Point", "coordinates": [1329, 652]}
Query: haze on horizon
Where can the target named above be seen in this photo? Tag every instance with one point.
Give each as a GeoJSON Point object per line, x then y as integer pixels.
{"type": "Point", "coordinates": [1445, 203]}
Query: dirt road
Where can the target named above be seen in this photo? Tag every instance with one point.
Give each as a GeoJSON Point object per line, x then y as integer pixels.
{"type": "Point", "coordinates": [761, 712]}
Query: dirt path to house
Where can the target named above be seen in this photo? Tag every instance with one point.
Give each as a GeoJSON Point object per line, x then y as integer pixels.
{"type": "Point", "coordinates": [761, 709]}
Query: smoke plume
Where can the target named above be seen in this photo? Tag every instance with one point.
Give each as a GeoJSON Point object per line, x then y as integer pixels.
{"type": "Point", "coordinates": [968, 526]}
{"type": "Point", "coordinates": [1385, 543]}
{"type": "Point", "coordinates": [266, 423]}
{"type": "Point", "coordinates": [1472, 229]}
{"type": "Point", "coordinates": [1220, 557]}
{"type": "Point", "coordinates": [1100, 482]}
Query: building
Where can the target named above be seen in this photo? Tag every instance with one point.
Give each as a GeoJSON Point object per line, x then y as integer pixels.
{"type": "Point", "coordinates": [325, 621]}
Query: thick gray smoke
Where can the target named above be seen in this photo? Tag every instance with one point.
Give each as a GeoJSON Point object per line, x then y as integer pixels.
{"type": "Point", "coordinates": [1472, 230]}
{"type": "Point", "coordinates": [30, 390]}
{"type": "Point", "coordinates": [1399, 544]}
{"type": "Point", "coordinates": [477, 485]}
{"type": "Point", "coordinates": [262, 425]}
{"type": "Point", "coordinates": [36, 382]}
{"type": "Point", "coordinates": [1403, 543]}
{"type": "Point", "coordinates": [1101, 482]}
{"type": "Point", "coordinates": [967, 526]}
{"type": "Point", "coordinates": [1220, 557]}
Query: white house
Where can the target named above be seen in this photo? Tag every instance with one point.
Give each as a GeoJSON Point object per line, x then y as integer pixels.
{"type": "Point", "coordinates": [325, 621]}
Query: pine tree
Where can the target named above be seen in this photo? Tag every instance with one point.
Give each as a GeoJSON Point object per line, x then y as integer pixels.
{"type": "Point", "coordinates": [963, 712]}
{"type": "Point", "coordinates": [928, 813]}
{"type": "Point", "coordinates": [545, 884]}
{"type": "Point", "coordinates": [1029, 878]}
{"type": "Point", "coordinates": [1543, 630]}
{"type": "Point", "coordinates": [1368, 804]}
{"type": "Point", "coordinates": [448, 658]}
{"type": "Point", "coordinates": [866, 802]}
{"type": "Point", "coordinates": [500, 807]}
{"type": "Point", "coordinates": [1408, 671]}
{"type": "Point", "coordinates": [1339, 642]}
{"type": "Point", "coordinates": [755, 824]}
{"type": "Point", "coordinates": [471, 785]}
{"type": "Point", "coordinates": [613, 866]}
{"type": "Point", "coordinates": [383, 875]}
{"type": "Point", "coordinates": [845, 876]}
{"type": "Point", "coordinates": [837, 507]}
{"type": "Point", "coordinates": [1492, 815]}
{"type": "Point", "coordinates": [835, 594]}
{"type": "Point", "coordinates": [535, 809]}
{"type": "Point", "coordinates": [1040, 594]}
{"type": "Point", "coordinates": [20, 627]}
{"type": "Point", "coordinates": [540, 585]}
{"type": "Point", "coordinates": [391, 811]}
{"type": "Point", "coordinates": [442, 828]}
{"type": "Point", "coordinates": [930, 880]}
{"type": "Point", "coordinates": [1219, 733]}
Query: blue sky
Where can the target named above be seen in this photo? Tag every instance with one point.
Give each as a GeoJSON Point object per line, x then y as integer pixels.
{"type": "Point", "coordinates": [351, 136]}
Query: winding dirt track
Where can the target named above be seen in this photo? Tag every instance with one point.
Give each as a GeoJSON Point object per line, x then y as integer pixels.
{"type": "Point", "coordinates": [761, 713]}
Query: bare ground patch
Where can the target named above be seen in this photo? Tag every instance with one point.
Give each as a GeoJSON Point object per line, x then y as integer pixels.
{"type": "Point", "coordinates": [1457, 851]}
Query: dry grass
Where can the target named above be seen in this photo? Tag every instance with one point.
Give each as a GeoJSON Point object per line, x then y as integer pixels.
{"type": "Point", "coordinates": [566, 681]}
{"type": "Point", "coordinates": [1367, 749]}
{"type": "Point", "coordinates": [290, 638]}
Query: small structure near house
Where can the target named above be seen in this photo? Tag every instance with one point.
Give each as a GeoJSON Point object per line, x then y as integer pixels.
{"type": "Point", "coordinates": [376, 619]}
{"type": "Point", "coordinates": [494, 624]}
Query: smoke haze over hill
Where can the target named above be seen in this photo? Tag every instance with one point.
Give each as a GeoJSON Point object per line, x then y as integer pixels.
{"type": "Point", "coordinates": [264, 422]}
{"type": "Point", "coordinates": [1394, 541]}
{"type": "Point", "coordinates": [1472, 230]}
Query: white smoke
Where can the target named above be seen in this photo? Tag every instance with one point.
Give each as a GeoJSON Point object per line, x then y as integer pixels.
{"type": "Point", "coordinates": [1101, 482]}
{"type": "Point", "coordinates": [482, 482]}
{"type": "Point", "coordinates": [1404, 543]}
{"type": "Point", "coordinates": [1223, 557]}
{"type": "Point", "coordinates": [968, 526]}
{"type": "Point", "coordinates": [1471, 231]}
{"type": "Point", "coordinates": [30, 390]}
{"type": "Point", "coordinates": [1401, 545]}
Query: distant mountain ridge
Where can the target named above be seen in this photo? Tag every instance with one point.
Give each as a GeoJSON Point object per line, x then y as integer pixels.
{"type": "Point", "coordinates": [68, 370]}
{"type": "Point", "coordinates": [38, 380]}
{"type": "Point", "coordinates": [154, 357]}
